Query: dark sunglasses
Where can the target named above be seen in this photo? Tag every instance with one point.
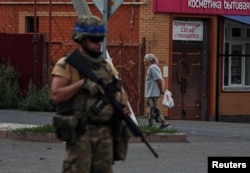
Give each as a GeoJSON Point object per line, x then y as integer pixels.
{"type": "Point", "coordinates": [96, 39]}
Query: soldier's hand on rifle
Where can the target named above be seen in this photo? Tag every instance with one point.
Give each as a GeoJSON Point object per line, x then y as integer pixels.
{"type": "Point", "coordinates": [126, 110]}
{"type": "Point", "coordinates": [92, 87]}
{"type": "Point", "coordinates": [124, 98]}
{"type": "Point", "coordinates": [124, 101]}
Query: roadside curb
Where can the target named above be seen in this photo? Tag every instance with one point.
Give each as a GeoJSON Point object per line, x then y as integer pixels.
{"type": "Point", "coordinates": [50, 137]}
{"type": "Point", "coordinates": [162, 137]}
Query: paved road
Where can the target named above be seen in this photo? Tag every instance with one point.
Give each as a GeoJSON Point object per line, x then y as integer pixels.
{"type": "Point", "coordinates": [25, 117]}
{"type": "Point", "coordinates": [204, 139]}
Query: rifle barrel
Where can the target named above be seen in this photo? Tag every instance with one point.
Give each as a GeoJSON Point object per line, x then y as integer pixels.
{"type": "Point", "coordinates": [135, 129]}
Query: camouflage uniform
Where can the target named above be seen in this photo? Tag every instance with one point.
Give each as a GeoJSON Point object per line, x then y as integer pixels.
{"type": "Point", "coordinates": [92, 152]}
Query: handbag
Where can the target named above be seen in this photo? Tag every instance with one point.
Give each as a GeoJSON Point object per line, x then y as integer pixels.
{"type": "Point", "coordinates": [167, 100]}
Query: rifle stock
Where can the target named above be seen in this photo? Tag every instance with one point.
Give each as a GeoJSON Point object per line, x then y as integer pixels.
{"type": "Point", "coordinates": [79, 62]}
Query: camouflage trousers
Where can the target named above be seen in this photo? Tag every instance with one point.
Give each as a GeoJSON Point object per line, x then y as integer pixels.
{"type": "Point", "coordinates": [91, 153]}
{"type": "Point", "coordinates": [153, 111]}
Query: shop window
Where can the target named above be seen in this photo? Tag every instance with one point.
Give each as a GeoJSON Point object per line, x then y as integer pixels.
{"type": "Point", "coordinates": [226, 65]}
{"type": "Point", "coordinates": [30, 24]}
{"type": "Point", "coordinates": [247, 65]}
{"type": "Point", "coordinates": [248, 32]}
{"type": "Point", "coordinates": [236, 32]}
{"type": "Point", "coordinates": [236, 60]}
{"type": "Point", "coordinates": [237, 67]}
{"type": "Point", "coordinates": [236, 64]}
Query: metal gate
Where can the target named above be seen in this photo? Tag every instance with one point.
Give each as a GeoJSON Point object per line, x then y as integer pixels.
{"type": "Point", "coordinates": [21, 50]}
{"type": "Point", "coordinates": [126, 59]}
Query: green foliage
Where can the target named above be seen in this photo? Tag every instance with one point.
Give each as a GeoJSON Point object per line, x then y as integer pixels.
{"type": "Point", "coordinates": [10, 94]}
{"type": "Point", "coordinates": [9, 88]}
{"type": "Point", "coordinates": [152, 130]}
{"type": "Point", "coordinates": [47, 128]}
{"type": "Point", "coordinates": [37, 99]}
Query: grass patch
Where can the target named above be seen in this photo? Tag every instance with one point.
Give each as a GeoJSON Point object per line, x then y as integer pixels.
{"type": "Point", "coordinates": [153, 130]}
{"type": "Point", "coordinates": [38, 129]}
{"type": "Point", "coordinates": [48, 128]}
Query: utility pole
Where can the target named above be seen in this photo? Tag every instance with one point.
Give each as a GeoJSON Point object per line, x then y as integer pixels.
{"type": "Point", "coordinates": [107, 8]}
{"type": "Point", "coordinates": [105, 20]}
{"type": "Point", "coordinates": [35, 44]}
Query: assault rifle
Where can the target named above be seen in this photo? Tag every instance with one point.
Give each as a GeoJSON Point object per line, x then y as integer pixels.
{"type": "Point", "coordinates": [79, 62]}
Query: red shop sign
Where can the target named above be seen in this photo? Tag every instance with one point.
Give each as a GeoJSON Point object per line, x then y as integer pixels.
{"type": "Point", "coordinates": [213, 7]}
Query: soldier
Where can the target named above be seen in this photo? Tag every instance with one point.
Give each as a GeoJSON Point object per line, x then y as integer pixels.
{"type": "Point", "coordinates": [90, 146]}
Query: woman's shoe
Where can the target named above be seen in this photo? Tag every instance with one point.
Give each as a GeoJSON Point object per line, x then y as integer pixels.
{"type": "Point", "coordinates": [163, 126]}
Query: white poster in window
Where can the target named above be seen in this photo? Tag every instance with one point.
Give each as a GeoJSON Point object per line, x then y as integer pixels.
{"type": "Point", "coordinates": [188, 30]}
{"type": "Point", "coordinates": [165, 71]}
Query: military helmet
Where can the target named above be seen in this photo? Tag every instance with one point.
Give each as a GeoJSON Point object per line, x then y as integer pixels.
{"type": "Point", "coordinates": [87, 26]}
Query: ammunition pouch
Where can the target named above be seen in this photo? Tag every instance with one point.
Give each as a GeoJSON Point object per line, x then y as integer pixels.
{"type": "Point", "coordinates": [68, 127]}
{"type": "Point", "coordinates": [64, 108]}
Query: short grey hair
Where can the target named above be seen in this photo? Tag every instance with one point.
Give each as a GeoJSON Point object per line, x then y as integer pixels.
{"type": "Point", "coordinates": [151, 57]}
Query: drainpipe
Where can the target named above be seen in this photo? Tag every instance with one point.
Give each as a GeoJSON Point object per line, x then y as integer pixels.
{"type": "Point", "coordinates": [217, 98]}
{"type": "Point", "coordinates": [48, 60]}
{"type": "Point", "coordinates": [35, 44]}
